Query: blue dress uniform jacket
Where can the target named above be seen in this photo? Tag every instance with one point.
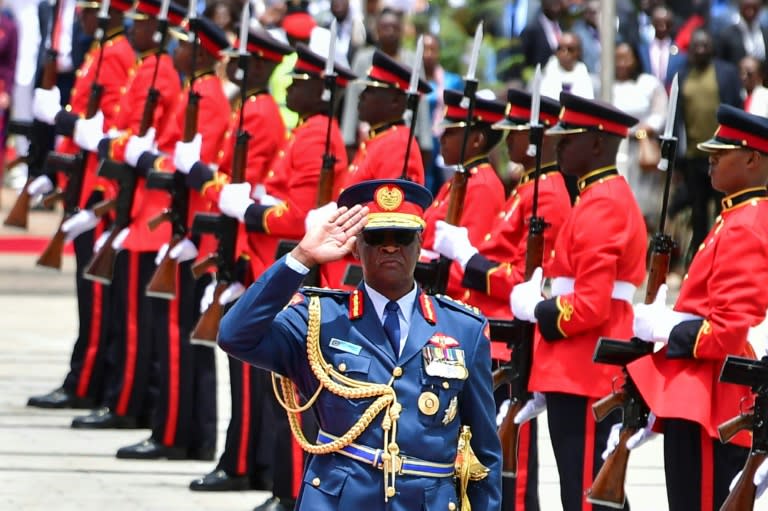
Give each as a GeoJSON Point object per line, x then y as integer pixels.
{"type": "Point", "coordinates": [262, 330]}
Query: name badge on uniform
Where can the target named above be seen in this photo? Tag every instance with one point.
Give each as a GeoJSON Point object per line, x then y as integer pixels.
{"type": "Point", "coordinates": [345, 346]}
{"type": "Point", "coordinates": [445, 362]}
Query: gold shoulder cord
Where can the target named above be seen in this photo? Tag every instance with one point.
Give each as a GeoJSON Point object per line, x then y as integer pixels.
{"type": "Point", "coordinates": [348, 388]}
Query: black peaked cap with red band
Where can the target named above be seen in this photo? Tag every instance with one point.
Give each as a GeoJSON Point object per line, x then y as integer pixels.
{"type": "Point", "coordinates": [119, 5]}
{"type": "Point", "coordinates": [737, 130]}
{"type": "Point", "coordinates": [311, 65]}
{"type": "Point", "coordinates": [487, 111]}
{"type": "Point", "coordinates": [211, 37]}
{"type": "Point", "coordinates": [518, 113]}
{"type": "Point", "coordinates": [392, 203]}
{"type": "Point", "coordinates": [146, 9]}
{"type": "Point", "coordinates": [262, 45]}
{"type": "Point", "coordinates": [387, 72]}
{"type": "Point", "coordinates": [579, 114]}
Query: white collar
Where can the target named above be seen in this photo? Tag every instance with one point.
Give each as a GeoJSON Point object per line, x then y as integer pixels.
{"type": "Point", "coordinates": [405, 302]}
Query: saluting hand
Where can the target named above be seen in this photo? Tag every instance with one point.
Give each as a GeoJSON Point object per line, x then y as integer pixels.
{"type": "Point", "coordinates": [333, 238]}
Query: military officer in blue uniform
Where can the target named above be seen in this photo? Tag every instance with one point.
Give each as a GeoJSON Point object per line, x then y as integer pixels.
{"type": "Point", "coordinates": [400, 381]}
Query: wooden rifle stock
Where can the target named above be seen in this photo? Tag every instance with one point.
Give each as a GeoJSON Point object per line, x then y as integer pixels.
{"type": "Point", "coordinates": [102, 208]}
{"type": "Point", "coordinates": [52, 255]}
{"type": "Point", "coordinates": [509, 431]}
{"type": "Point", "coordinates": [207, 327]}
{"type": "Point", "coordinates": [102, 266]}
{"type": "Point", "coordinates": [608, 487]}
{"type": "Point", "coordinates": [325, 185]}
{"type": "Point", "coordinates": [603, 408]}
{"type": "Point", "coordinates": [155, 221]}
{"type": "Point", "coordinates": [16, 161]}
{"type": "Point", "coordinates": [52, 198]}
{"type": "Point", "coordinates": [163, 281]}
{"type": "Point", "coordinates": [502, 376]}
{"type": "Point", "coordinates": [743, 494]}
{"type": "Point", "coordinates": [19, 213]}
{"type": "Point", "coordinates": [199, 269]}
{"type": "Point", "coordinates": [730, 428]}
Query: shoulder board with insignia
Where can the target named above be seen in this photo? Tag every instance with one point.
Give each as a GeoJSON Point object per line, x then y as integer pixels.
{"type": "Point", "coordinates": [461, 306]}
{"type": "Point", "coordinates": [324, 291]}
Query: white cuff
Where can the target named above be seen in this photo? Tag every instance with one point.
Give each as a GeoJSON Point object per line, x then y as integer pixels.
{"type": "Point", "coordinates": [293, 263]}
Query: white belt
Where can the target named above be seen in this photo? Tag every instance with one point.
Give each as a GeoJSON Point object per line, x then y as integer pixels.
{"type": "Point", "coordinates": [621, 290]}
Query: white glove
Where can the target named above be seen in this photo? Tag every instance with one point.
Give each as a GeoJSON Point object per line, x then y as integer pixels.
{"type": "Point", "coordinates": [761, 478]}
{"type": "Point", "coordinates": [232, 293]}
{"type": "Point", "coordinates": [77, 224]}
{"type": "Point", "coordinates": [89, 132]}
{"type": "Point", "coordinates": [654, 322]}
{"type": "Point", "coordinates": [235, 199]}
{"type": "Point", "coordinates": [633, 442]}
{"type": "Point", "coordinates": [46, 105]}
{"type": "Point", "coordinates": [100, 241]}
{"type": "Point", "coordinates": [187, 154]}
{"type": "Point", "coordinates": [117, 243]}
{"type": "Point", "coordinates": [269, 200]}
{"type": "Point", "coordinates": [183, 251]}
{"type": "Point", "coordinates": [317, 216]}
{"type": "Point", "coordinates": [137, 146]}
{"type": "Point", "coordinates": [453, 242]}
{"type": "Point", "coordinates": [503, 410]}
{"type": "Point", "coordinates": [525, 296]}
{"type": "Point", "coordinates": [39, 186]}
{"type": "Point", "coordinates": [757, 336]}
{"type": "Point", "coordinates": [207, 298]}
{"type": "Point", "coordinates": [161, 254]}
{"type": "Point", "coordinates": [533, 407]}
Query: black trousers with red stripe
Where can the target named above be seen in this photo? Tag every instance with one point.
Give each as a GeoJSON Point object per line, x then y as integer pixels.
{"type": "Point", "coordinates": [289, 458]}
{"type": "Point", "coordinates": [246, 452]}
{"type": "Point", "coordinates": [129, 389]}
{"type": "Point", "coordinates": [698, 468]}
{"type": "Point", "coordinates": [85, 378]}
{"type": "Point", "coordinates": [185, 411]}
{"type": "Point", "coordinates": [521, 493]}
{"type": "Point", "coordinates": [578, 442]}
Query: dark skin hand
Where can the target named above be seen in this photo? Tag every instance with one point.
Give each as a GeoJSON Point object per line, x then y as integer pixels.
{"type": "Point", "coordinates": [734, 170]}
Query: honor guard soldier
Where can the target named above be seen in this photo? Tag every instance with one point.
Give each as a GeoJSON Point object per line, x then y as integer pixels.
{"type": "Point", "coordinates": [84, 384]}
{"type": "Point", "coordinates": [721, 298]}
{"type": "Point", "coordinates": [396, 377]}
{"type": "Point", "coordinates": [595, 273]}
{"type": "Point", "coordinates": [489, 271]}
{"type": "Point", "coordinates": [241, 464]}
{"type": "Point", "coordinates": [130, 335]}
{"type": "Point", "coordinates": [291, 190]}
{"type": "Point", "coordinates": [382, 105]}
{"type": "Point", "coordinates": [184, 417]}
{"type": "Point", "coordinates": [484, 197]}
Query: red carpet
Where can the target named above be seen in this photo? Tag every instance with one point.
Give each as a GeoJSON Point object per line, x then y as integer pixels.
{"type": "Point", "coordinates": [28, 245]}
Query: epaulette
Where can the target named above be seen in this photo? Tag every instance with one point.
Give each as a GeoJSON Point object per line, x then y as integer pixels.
{"type": "Point", "coordinates": [338, 294]}
{"type": "Point", "coordinates": [470, 310]}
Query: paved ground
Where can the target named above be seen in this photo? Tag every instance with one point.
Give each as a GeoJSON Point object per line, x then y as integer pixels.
{"type": "Point", "coordinates": [46, 465]}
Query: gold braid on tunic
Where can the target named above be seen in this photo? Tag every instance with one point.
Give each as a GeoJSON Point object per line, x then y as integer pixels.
{"type": "Point", "coordinates": [348, 388]}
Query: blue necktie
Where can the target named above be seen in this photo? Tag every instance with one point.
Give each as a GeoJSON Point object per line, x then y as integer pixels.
{"type": "Point", "coordinates": [392, 326]}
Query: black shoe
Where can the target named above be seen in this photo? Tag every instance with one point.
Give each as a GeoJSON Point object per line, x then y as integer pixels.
{"type": "Point", "coordinates": [276, 504]}
{"type": "Point", "coordinates": [219, 480]}
{"type": "Point", "coordinates": [103, 418]}
{"type": "Point", "coordinates": [150, 449]}
{"type": "Point", "coordinates": [60, 398]}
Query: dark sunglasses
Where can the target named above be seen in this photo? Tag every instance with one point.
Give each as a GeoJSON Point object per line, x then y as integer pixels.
{"type": "Point", "coordinates": [391, 236]}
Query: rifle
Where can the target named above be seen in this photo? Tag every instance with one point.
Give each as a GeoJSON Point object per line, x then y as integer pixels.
{"type": "Point", "coordinates": [325, 185]}
{"type": "Point", "coordinates": [754, 374]}
{"type": "Point", "coordinates": [40, 134]}
{"type": "Point", "coordinates": [608, 486]}
{"type": "Point", "coordinates": [435, 274]}
{"type": "Point", "coordinates": [51, 256]}
{"type": "Point", "coordinates": [163, 283]}
{"type": "Point", "coordinates": [222, 226]}
{"type": "Point", "coordinates": [102, 265]}
{"type": "Point", "coordinates": [522, 343]}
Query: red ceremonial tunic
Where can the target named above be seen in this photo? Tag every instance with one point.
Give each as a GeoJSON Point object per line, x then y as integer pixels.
{"type": "Point", "coordinates": [603, 241]}
{"type": "Point", "coordinates": [725, 286]}
{"type": "Point", "coordinates": [128, 112]}
{"type": "Point", "coordinates": [116, 61]}
{"type": "Point", "coordinates": [499, 265]}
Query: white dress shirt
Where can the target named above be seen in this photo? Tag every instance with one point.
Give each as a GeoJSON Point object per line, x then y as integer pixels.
{"type": "Point", "coordinates": [405, 303]}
